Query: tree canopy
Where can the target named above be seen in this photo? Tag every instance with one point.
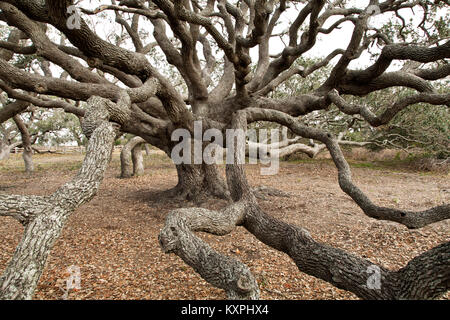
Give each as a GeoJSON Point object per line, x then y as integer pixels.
{"type": "Point", "coordinates": [148, 68]}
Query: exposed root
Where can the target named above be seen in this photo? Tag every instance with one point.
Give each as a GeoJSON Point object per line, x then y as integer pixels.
{"type": "Point", "coordinates": [221, 271]}
{"type": "Point", "coordinates": [192, 194]}
{"type": "Point", "coordinates": [262, 191]}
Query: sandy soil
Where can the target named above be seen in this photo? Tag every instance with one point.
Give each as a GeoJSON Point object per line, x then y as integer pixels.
{"type": "Point", "coordinates": [113, 239]}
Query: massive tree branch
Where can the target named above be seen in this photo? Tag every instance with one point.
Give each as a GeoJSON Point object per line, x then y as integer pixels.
{"type": "Point", "coordinates": [408, 218]}
{"type": "Point", "coordinates": [336, 266]}
{"type": "Point", "coordinates": [45, 217]}
{"type": "Point", "coordinates": [391, 111]}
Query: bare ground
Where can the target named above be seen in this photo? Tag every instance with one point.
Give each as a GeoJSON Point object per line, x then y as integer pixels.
{"type": "Point", "coordinates": [113, 239]}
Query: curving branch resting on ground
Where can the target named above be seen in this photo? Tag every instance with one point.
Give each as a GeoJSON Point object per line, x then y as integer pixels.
{"type": "Point", "coordinates": [221, 271]}
{"type": "Point", "coordinates": [45, 217]}
{"type": "Point", "coordinates": [350, 272]}
{"type": "Point", "coordinates": [288, 146]}
{"type": "Point", "coordinates": [424, 277]}
{"type": "Point", "coordinates": [407, 218]}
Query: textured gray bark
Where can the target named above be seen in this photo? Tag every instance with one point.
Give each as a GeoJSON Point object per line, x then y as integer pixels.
{"type": "Point", "coordinates": [138, 160]}
{"type": "Point", "coordinates": [27, 154]}
{"type": "Point", "coordinates": [197, 182]}
{"type": "Point", "coordinates": [45, 217]}
{"type": "Point", "coordinates": [128, 163]}
{"type": "Point", "coordinates": [221, 271]}
{"type": "Point", "coordinates": [425, 277]}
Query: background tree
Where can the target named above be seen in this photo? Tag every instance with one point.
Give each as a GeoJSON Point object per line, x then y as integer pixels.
{"type": "Point", "coordinates": [420, 130]}
{"type": "Point", "coordinates": [228, 65]}
{"type": "Point", "coordinates": [16, 134]}
{"type": "Point", "coordinates": [7, 135]}
{"type": "Point", "coordinates": [131, 158]}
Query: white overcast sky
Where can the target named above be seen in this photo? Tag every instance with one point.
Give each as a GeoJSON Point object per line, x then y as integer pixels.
{"type": "Point", "coordinates": [105, 25]}
{"type": "Point", "coordinates": [339, 38]}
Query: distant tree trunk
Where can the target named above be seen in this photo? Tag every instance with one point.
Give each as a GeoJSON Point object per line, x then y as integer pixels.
{"type": "Point", "coordinates": [28, 159]}
{"type": "Point", "coordinates": [5, 151]}
{"type": "Point", "coordinates": [26, 144]}
{"type": "Point", "coordinates": [138, 160]}
{"type": "Point", "coordinates": [147, 149]}
{"type": "Point", "coordinates": [127, 159]}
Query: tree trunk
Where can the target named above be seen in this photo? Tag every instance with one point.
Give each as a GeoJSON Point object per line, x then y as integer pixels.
{"type": "Point", "coordinates": [45, 217]}
{"type": "Point", "coordinates": [138, 160]}
{"type": "Point", "coordinates": [4, 152]}
{"type": "Point", "coordinates": [24, 270]}
{"type": "Point", "coordinates": [197, 182]}
{"type": "Point", "coordinates": [424, 277]}
{"type": "Point", "coordinates": [128, 160]}
{"type": "Point", "coordinates": [147, 149]}
{"type": "Point", "coordinates": [26, 143]}
{"type": "Point", "coordinates": [28, 159]}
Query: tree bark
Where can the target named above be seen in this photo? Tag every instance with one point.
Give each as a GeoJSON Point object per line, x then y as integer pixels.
{"type": "Point", "coordinates": [197, 182]}
{"type": "Point", "coordinates": [127, 161]}
{"type": "Point", "coordinates": [45, 217]}
{"type": "Point", "coordinates": [26, 144]}
{"type": "Point", "coordinates": [27, 156]}
{"type": "Point", "coordinates": [4, 152]}
{"type": "Point", "coordinates": [138, 160]}
{"type": "Point", "coordinates": [424, 277]}
{"type": "Point", "coordinates": [221, 271]}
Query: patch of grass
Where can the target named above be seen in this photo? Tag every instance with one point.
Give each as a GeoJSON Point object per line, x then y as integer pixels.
{"type": "Point", "coordinates": [309, 160]}
{"type": "Point", "coordinates": [395, 165]}
{"type": "Point", "coordinates": [369, 165]}
{"type": "Point", "coordinates": [43, 162]}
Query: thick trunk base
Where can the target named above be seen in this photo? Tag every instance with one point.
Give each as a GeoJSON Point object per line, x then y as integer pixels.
{"type": "Point", "coordinates": [198, 183]}
{"type": "Point", "coordinates": [28, 160]}
{"type": "Point", "coordinates": [5, 153]}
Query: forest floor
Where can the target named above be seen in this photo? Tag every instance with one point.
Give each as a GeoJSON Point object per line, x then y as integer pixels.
{"type": "Point", "coordinates": [114, 238]}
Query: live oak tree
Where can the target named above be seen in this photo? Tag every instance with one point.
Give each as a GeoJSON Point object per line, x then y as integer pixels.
{"type": "Point", "coordinates": [37, 127]}
{"type": "Point", "coordinates": [226, 66]}
{"type": "Point", "coordinates": [15, 134]}
{"type": "Point", "coordinates": [35, 123]}
{"type": "Point", "coordinates": [422, 131]}
{"type": "Point", "coordinates": [131, 158]}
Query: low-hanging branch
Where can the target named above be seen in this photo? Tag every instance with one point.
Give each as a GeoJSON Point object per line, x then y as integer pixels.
{"type": "Point", "coordinates": [391, 111]}
{"type": "Point", "coordinates": [424, 277]}
{"type": "Point", "coordinates": [407, 218]}
{"type": "Point", "coordinates": [45, 216]}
